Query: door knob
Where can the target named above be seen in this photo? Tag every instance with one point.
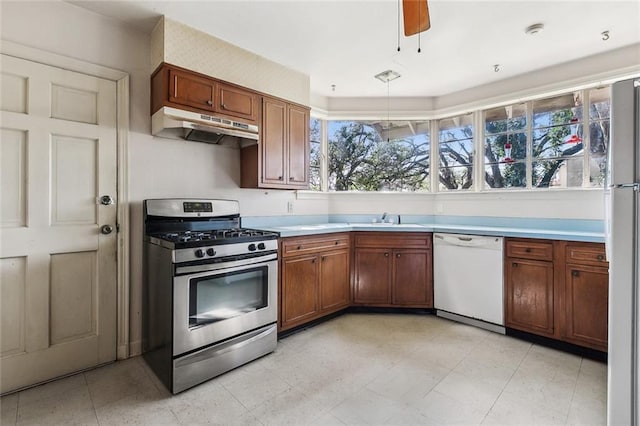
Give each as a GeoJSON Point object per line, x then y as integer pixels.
{"type": "Point", "coordinates": [106, 229]}
{"type": "Point", "coordinates": [107, 200]}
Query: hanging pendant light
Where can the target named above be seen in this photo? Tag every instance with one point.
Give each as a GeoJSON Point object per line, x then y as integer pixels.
{"type": "Point", "coordinates": [387, 77]}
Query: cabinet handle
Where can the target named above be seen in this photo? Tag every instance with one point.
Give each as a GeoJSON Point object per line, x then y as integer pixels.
{"type": "Point", "coordinates": [223, 106]}
{"type": "Point", "coordinates": [279, 177]}
{"type": "Point", "coordinates": [209, 102]}
{"type": "Point", "coordinates": [575, 273]}
{"type": "Point", "coordinates": [514, 264]}
{"type": "Point", "coordinates": [313, 260]}
{"type": "Point", "coordinates": [386, 255]}
{"type": "Point", "coordinates": [291, 178]}
{"type": "Point", "coordinates": [528, 250]}
{"type": "Point", "coordinates": [600, 258]}
{"type": "Point", "coordinates": [324, 258]}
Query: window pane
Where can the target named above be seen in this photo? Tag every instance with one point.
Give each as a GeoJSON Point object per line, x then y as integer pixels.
{"type": "Point", "coordinates": [497, 148]}
{"type": "Point", "coordinates": [558, 141]}
{"type": "Point", "coordinates": [456, 152]}
{"type": "Point", "coordinates": [378, 155]}
{"type": "Point", "coordinates": [506, 118]}
{"type": "Point", "coordinates": [506, 175]}
{"type": "Point", "coordinates": [315, 161]}
{"type": "Point", "coordinates": [452, 178]}
{"type": "Point", "coordinates": [558, 173]}
{"type": "Point", "coordinates": [599, 128]}
{"type": "Point", "coordinates": [563, 109]}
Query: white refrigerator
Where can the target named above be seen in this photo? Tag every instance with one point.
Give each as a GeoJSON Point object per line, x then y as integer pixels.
{"type": "Point", "coordinates": [622, 228]}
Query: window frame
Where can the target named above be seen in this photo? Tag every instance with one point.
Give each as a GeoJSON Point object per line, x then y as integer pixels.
{"type": "Point", "coordinates": [479, 136]}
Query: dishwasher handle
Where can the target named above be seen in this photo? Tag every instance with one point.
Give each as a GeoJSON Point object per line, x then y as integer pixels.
{"type": "Point", "coordinates": [468, 240]}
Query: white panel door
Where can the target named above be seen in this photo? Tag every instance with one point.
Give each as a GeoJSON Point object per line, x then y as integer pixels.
{"type": "Point", "coordinates": [57, 269]}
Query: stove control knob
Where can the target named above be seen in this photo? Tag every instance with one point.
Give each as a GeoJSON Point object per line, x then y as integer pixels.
{"type": "Point", "coordinates": [252, 247]}
{"type": "Point", "coordinates": [211, 252]}
{"type": "Point", "coordinates": [261, 246]}
{"type": "Point", "coordinates": [199, 253]}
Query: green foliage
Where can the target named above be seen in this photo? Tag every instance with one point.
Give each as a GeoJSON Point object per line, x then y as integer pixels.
{"type": "Point", "coordinates": [360, 160]}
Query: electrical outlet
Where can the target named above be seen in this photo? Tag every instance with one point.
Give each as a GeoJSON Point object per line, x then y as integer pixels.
{"type": "Point", "coordinates": [289, 206]}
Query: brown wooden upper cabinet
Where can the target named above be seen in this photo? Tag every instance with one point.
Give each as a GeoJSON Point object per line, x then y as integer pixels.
{"type": "Point", "coordinates": [180, 88]}
{"type": "Point", "coordinates": [281, 158]}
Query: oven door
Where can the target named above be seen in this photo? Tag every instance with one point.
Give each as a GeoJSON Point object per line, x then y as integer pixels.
{"type": "Point", "coordinates": [224, 301]}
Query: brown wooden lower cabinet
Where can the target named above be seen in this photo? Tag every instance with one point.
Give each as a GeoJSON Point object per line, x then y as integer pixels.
{"type": "Point", "coordinates": [557, 289]}
{"type": "Point", "coordinates": [314, 278]}
{"type": "Point", "coordinates": [529, 295]}
{"type": "Point", "coordinates": [393, 269]}
{"type": "Point", "coordinates": [586, 296]}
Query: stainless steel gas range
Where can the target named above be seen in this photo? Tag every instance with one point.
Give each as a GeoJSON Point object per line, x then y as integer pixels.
{"type": "Point", "coordinates": [210, 293]}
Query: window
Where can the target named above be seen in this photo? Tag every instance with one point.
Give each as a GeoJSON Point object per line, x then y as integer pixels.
{"type": "Point", "coordinates": [315, 139]}
{"type": "Point", "coordinates": [455, 149]}
{"type": "Point", "coordinates": [557, 146]}
{"type": "Point", "coordinates": [599, 106]}
{"type": "Point", "coordinates": [555, 153]}
{"type": "Point", "coordinates": [505, 147]}
{"type": "Point", "coordinates": [378, 155]}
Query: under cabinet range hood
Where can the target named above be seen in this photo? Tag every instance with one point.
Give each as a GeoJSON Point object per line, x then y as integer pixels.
{"type": "Point", "coordinates": [175, 123]}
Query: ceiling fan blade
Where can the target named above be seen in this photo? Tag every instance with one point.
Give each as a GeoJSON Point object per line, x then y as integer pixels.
{"type": "Point", "coordinates": [416, 16]}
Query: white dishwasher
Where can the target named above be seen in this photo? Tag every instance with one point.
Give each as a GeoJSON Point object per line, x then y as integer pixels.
{"type": "Point", "coordinates": [467, 279]}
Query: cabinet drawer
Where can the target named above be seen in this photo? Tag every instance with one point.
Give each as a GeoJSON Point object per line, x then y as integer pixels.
{"type": "Point", "coordinates": [530, 250]}
{"type": "Point", "coordinates": [586, 254]}
{"type": "Point", "coordinates": [294, 246]}
{"type": "Point", "coordinates": [393, 240]}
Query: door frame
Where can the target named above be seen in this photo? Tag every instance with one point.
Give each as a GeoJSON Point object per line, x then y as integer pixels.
{"type": "Point", "coordinates": [121, 79]}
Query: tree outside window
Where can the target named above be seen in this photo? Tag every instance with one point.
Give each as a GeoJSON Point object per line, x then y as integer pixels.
{"type": "Point", "coordinates": [455, 150]}
{"type": "Point", "coordinates": [378, 156]}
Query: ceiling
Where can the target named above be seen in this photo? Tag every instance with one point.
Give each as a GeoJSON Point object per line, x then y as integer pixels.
{"type": "Point", "coordinates": [345, 43]}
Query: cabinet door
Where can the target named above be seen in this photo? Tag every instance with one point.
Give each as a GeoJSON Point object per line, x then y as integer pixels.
{"type": "Point", "coordinates": [586, 300]}
{"type": "Point", "coordinates": [334, 280]}
{"type": "Point", "coordinates": [529, 296]}
{"type": "Point", "coordinates": [191, 90]}
{"type": "Point", "coordinates": [298, 146]}
{"type": "Point", "coordinates": [412, 278]}
{"type": "Point", "coordinates": [237, 102]}
{"type": "Point", "coordinates": [372, 276]}
{"type": "Point", "coordinates": [299, 289]}
{"type": "Point", "coordinates": [273, 141]}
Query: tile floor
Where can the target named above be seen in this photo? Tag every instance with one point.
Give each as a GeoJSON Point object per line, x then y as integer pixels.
{"type": "Point", "coordinates": [355, 369]}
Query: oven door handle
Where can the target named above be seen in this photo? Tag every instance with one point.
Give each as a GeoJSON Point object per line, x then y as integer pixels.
{"type": "Point", "coordinates": [230, 346]}
{"type": "Point", "coordinates": [225, 265]}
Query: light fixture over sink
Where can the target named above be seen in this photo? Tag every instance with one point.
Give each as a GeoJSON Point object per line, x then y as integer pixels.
{"type": "Point", "coordinates": [387, 76]}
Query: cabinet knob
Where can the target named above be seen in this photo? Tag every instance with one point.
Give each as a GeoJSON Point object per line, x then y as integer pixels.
{"type": "Point", "coordinates": [600, 257]}
{"type": "Point", "coordinates": [209, 102]}
{"type": "Point", "coordinates": [528, 250]}
{"type": "Point", "coordinates": [575, 273]}
{"type": "Point", "coordinates": [514, 264]}
{"type": "Point", "coordinates": [223, 106]}
{"type": "Point", "coordinates": [299, 247]}
{"type": "Point", "coordinates": [386, 255]}
{"type": "Point", "coordinates": [324, 258]}
{"type": "Point", "coordinates": [291, 178]}
{"type": "Point", "coordinates": [279, 177]}
{"type": "Point", "coordinates": [336, 242]}
{"type": "Point", "coordinates": [398, 255]}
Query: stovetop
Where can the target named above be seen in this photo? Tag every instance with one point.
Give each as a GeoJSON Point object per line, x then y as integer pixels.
{"type": "Point", "coordinates": [185, 239]}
